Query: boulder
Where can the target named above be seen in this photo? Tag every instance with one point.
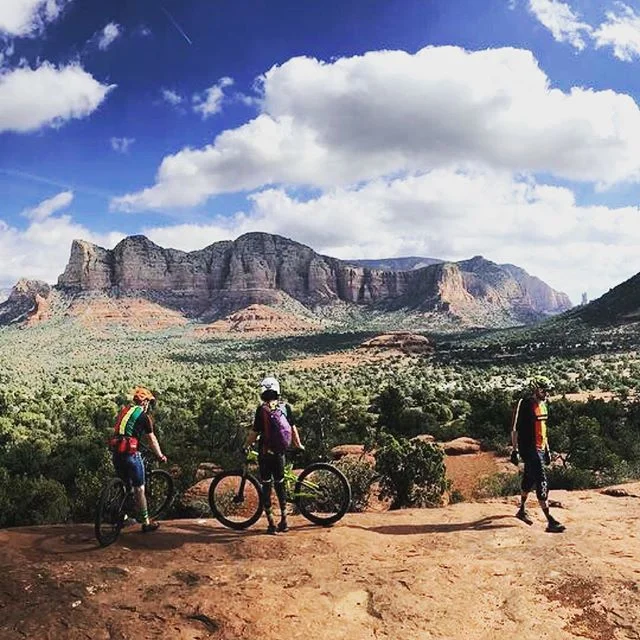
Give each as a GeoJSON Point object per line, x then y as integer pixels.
{"type": "Point", "coordinates": [194, 502]}
{"type": "Point", "coordinates": [207, 470]}
{"type": "Point", "coordinates": [424, 437]}
{"type": "Point", "coordinates": [353, 451]}
{"type": "Point", "coordinates": [461, 446]}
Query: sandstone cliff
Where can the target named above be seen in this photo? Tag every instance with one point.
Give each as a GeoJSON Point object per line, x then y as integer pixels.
{"type": "Point", "coordinates": [28, 299]}
{"type": "Point", "coordinates": [259, 268]}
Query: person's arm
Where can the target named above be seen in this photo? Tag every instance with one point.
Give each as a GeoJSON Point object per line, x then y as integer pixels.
{"type": "Point", "coordinates": [155, 446]}
{"type": "Point", "coordinates": [252, 436]}
{"type": "Point", "coordinates": [153, 440]}
{"type": "Point", "coordinates": [514, 425]}
{"type": "Point", "coordinates": [295, 434]}
{"type": "Point", "coordinates": [514, 433]}
{"type": "Point", "coordinates": [256, 429]}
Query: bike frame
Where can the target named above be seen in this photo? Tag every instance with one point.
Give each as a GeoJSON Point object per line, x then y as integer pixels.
{"type": "Point", "coordinates": [290, 479]}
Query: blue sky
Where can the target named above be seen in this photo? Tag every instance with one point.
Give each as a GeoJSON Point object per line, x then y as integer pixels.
{"type": "Point", "coordinates": [365, 129]}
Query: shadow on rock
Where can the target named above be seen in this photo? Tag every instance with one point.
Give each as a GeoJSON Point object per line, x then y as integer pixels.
{"type": "Point", "coordinates": [484, 524]}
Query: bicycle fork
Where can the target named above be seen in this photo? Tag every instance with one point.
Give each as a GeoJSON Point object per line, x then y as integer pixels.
{"type": "Point", "coordinates": [239, 497]}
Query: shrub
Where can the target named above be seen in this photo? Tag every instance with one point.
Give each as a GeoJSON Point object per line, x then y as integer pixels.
{"type": "Point", "coordinates": [28, 501]}
{"type": "Point", "coordinates": [572, 478]}
{"type": "Point", "coordinates": [498, 485]}
{"type": "Point", "coordinates": [412, 472]}
{"type": "Point", "coordinates": [361, 475]}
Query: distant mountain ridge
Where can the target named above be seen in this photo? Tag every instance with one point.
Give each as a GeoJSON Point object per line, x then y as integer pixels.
{"type": "Point", "coordinates": [259, 268]}
{"type": "Point", "coordinates": [408, 263]}
{"type": "Point", "coordinates": [618, 306]}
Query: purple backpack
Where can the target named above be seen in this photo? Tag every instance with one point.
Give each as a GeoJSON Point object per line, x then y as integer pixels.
{"type": "Point", "coordinates": [279, 436]}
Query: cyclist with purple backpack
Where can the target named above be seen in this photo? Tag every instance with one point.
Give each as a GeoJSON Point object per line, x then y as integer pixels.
{"type": "Point", "coordinates": [274, 428]}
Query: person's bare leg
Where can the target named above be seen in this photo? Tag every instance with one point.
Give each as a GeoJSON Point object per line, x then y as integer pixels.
{"type": "Point", "coordinates": [143, 510]}
{"type": "Point", "coordinates": [522, 512]}
{"type": "Point", "coordinates": [553, 526]}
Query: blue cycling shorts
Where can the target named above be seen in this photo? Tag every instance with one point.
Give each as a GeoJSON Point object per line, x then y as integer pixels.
{"type": "Point", "coordinates": [130, 468]}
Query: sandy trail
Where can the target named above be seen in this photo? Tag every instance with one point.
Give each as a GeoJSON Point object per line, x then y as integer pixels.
{"type": "Point", "coordinates": [468, 571]}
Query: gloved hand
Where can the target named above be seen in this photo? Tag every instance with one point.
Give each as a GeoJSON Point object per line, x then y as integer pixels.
{"type": "Point", "coordinates": [514, 457]}
{"type": "Point", "coordinates": [547, 457]}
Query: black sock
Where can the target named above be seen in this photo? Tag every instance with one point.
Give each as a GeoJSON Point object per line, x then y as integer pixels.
{"type": "Point", "coordinates": [548, 516]}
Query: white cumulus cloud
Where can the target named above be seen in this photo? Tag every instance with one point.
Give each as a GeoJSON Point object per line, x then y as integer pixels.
{"type": "Point", "coordinates": [172, 97]}
{"type": "Point", "coordinates": [47, 96]}
{"type": "Point", "coordinates": [209, 102]}
{"type": "Point", "coordinates": [109, 35]}
{"type": "Point", "coordinates": [41, 250]}
{"type": "Point", "coordinates": [387, 112]}
{"type": "Point", "coordinates": [621, 32]}
{"type": "Point", "coordinates": [561, 20]}
{"type": "Point", "coordinates": [446, 214]}
{"type": "Point", "coordinates": [48, 207]}
{"type": "Point", "coordinates": [121, 145]}
{"type": "Point", "coordinates": [28, 17]}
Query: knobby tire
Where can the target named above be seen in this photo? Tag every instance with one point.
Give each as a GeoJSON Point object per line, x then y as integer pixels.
{"type": "Point", "coordinates": [341, 494]}
{"type": "Point", "coordinates": [110, 511]}
{"type": "Point", "coordinates": [223, 490]}
{"type": "Point", "coordinates": [158, 486]}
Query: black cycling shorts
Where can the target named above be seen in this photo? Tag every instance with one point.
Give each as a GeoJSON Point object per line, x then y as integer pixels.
{"type": "Point", "coordinates": [271, 467]}
{"type": "Point", "coordinates": [535, 475]}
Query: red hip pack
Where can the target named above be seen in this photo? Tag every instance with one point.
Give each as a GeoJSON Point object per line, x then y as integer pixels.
{"type": "Point", "coordinates": [123, 444]}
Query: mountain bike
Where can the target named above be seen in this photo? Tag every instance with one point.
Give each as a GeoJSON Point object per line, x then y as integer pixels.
{"type": "Point", "coordinates": [117, 499]}
{"type": "Point", "coordinates": [321, 493]}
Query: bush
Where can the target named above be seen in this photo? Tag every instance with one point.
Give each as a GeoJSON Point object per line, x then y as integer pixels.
{"type": "Point", "coordinates": [412, 472]}
{"type": "Point", "coordinates": [498, 485]}
{"type": "Point", "coordinates": [361, 475]}
{"type": "Point", "coordinates": [27, 501]}
{"type": "Point", "coordinates": [572, 478]}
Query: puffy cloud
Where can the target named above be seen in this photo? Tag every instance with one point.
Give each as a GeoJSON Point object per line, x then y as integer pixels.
{"type": "Point", "coordinates": [172, 97]}
{"type": "Point", "coordinates": [621, 32]}
{"type": "Point", "coordinates": [560, 19]}
{"type": "Point", "coordinates": [121, 145]}
{"type": "Point", "coordinates": [210, 102]}
{"type": "Point", "coordinates": [48, 207]}
{"type": "Point", "coordinates": [108, 36]}
{"type": "Point", "coordinates": [47, 96]}
{"type": "Point", "coordinates": [446, 214]}
{"type": "Point", "coordinates": [5, 53]}
{"type": "Point", "coordinates": [28, 17]}
{"type": "Point", "coordinates": [388, 112]}
{"type": "Point", "coordinates": [41, 250]}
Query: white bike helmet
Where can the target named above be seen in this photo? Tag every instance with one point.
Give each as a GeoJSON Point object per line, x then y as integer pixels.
{"type": "Point", "coordinates": [270, 383]}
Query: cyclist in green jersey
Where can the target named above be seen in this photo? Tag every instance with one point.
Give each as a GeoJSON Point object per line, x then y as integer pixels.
{"type": "Point", "coordinates": [133, 422]}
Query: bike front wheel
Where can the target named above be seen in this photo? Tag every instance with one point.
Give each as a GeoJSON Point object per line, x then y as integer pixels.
{"type": "Point", "coordinates": [110, 511]}
{"type": "Point", "coordinates": [322, 493]}
{"type": "Point", "coordinates": [235, 499]}
{"type": "Point", "coordinates": [158, 491]}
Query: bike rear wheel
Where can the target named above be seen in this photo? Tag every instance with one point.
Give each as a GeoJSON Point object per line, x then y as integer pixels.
{"type": "Point", "coordinates": [235, 499]}
{"type": "Point", "coordinates": [322, 493]}
{"type": "Point", "coordinates": [110, 511]}
{"type": "Point", "coordinates": [158, 491]}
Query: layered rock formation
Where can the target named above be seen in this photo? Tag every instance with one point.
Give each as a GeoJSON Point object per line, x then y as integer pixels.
{"type": "Point", "coordinates": [259, 268]}
{"type": "Point", "coordinates": [28, 300]}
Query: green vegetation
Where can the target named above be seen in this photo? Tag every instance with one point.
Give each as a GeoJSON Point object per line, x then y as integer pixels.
{"type": "Point", "coordinates": [61, 386]}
